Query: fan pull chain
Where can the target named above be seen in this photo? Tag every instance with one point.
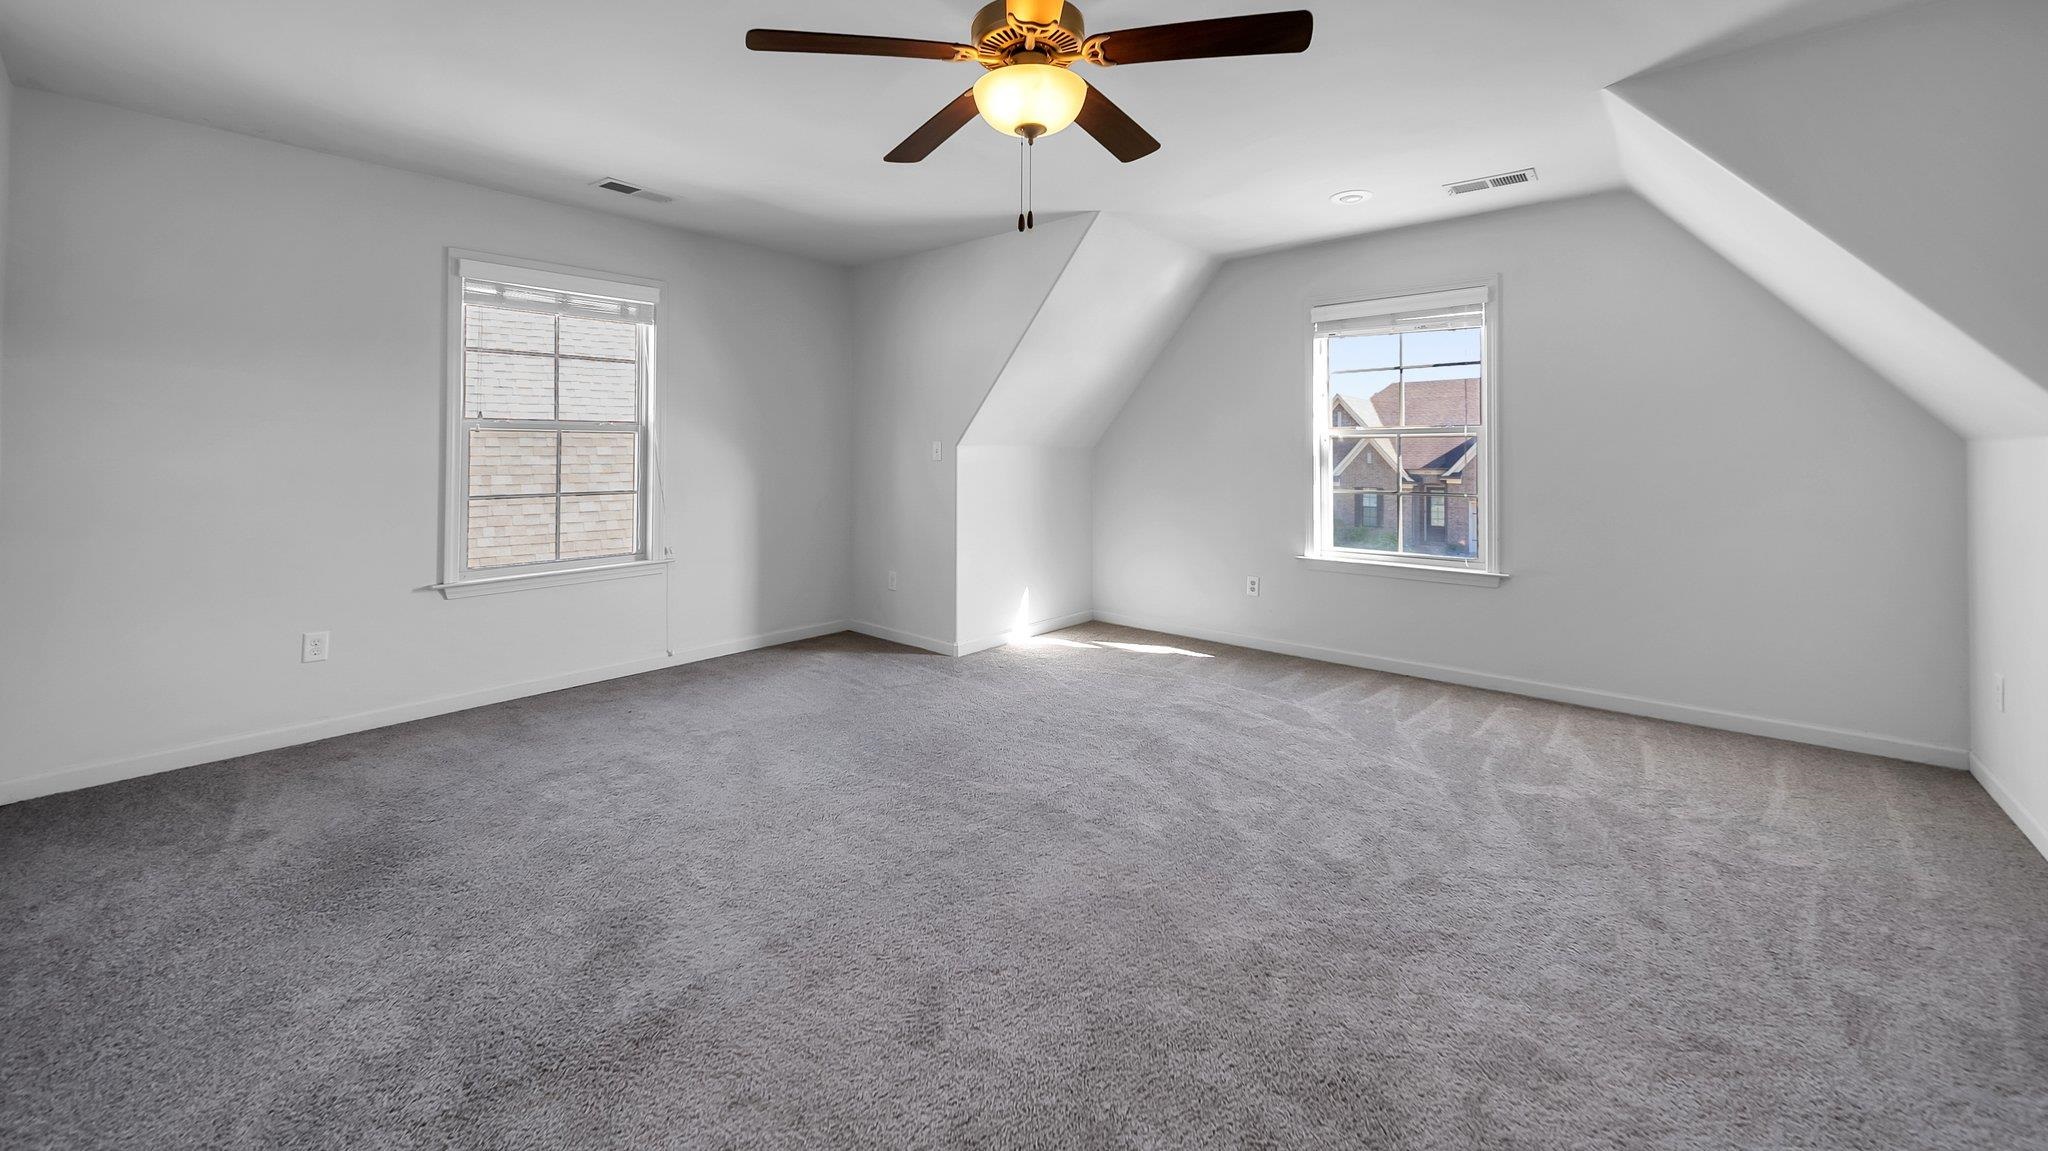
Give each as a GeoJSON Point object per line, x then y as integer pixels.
{"type": "Point", "coordinates": [1027, 184]}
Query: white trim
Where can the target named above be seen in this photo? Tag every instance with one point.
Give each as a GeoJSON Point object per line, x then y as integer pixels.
{"type": "Point", "coordinates": [906, 638]}
{"type": "Point", "coordinates": [943, 647]}
{"type": "Point", "coordinates": [2035, 830]}
{"type": "Point", "coordinates": [1433, 573]}
{"type": "Point", "coordinates": [492, 585]}
{"type": "Point", "coordinates": [1840, 739]}
{"type": "Point", "coordinates": [1072, 619]}
{"type": "Point", "coordinates": [252, 742]}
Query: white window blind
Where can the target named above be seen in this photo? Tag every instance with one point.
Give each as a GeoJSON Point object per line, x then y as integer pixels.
{"type": "Point", "coordinates": [551, 302]}
{"type": "Point", "coordinates": [1432, 311]}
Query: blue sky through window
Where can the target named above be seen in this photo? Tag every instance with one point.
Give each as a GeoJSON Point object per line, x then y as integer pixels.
{"type": "Point", "coordinates": [1363, 366]}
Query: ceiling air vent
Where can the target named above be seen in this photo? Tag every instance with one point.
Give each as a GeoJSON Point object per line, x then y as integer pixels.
{"type": "Point", "coordinates": [1504, 180]}
{"type": "Point", "coordinates": [634, 190]}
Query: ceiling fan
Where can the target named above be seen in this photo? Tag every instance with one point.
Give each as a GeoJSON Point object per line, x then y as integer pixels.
{"type": "Point", "coordinates": [1028, 48]}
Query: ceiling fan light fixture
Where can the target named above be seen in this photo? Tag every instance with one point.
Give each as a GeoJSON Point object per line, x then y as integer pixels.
{"type": "Point", "coordinates": [1017, 98]}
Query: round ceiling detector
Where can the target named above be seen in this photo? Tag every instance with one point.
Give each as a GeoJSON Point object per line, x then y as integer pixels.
{"type": "Point", "coordinates": [1351, 196]}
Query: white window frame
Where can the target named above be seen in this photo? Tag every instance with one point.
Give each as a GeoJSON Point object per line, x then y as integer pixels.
{"type": "Point", "coordinates": [457, 581]}
{"type": "Point", "coordinates": [1321, 554]}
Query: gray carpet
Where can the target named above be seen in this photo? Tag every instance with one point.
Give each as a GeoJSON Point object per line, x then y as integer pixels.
{"type": "Point", "coordinates": [842, 894]}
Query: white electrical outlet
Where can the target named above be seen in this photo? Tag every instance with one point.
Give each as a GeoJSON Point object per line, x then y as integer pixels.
{"type": "Point", "coordinates": [312, 647]}
{"type": "Point", "coordinates": [1998, 691]}
{"type": "Point", "coordinates": [1251, 585]}
{"type": "Point", "coordinates": [892, 581]}
{"type": "Point", "coordinates": [938, 451]}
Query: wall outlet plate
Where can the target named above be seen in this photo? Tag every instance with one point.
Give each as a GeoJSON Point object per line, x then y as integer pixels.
{"type": "Point", "coordinates": [938, 451]}
{"type": "Point", "coordinates": [1251, 585]}
{"type": "Point", "coordinates": [312, 646]}
{"type": "Point", "coordinates": [892, 581]}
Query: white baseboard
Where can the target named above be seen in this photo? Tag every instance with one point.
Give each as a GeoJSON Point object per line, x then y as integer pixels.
{"type": "Point", "coordinates": [944, 647]}
{"type": "Point", "coordinates": [1057, 622]}
{"type": "Point", "coordinates": [2016, 811]}
{"type": "Point", "coordinates": [249, 743]}
{"type": "Point", "coordinates": [1842, 740]}
{"type": "Point", "coordinates": [906, 638]}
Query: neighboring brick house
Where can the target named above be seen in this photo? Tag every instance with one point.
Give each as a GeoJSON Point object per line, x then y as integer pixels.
{"type": "Point", "coordinates": [1438, 473]}
{"type": "Point", "coordinates": [595, 505]}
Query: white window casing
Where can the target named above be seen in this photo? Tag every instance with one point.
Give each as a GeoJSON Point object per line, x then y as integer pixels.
{"type": "Point", "coordinates": [532, 402]}
{"type": "Point", "coordinates": [1475, 303]}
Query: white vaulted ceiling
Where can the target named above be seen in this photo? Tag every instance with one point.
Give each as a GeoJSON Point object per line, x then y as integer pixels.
{"type": "Point", "coordinates": [542, 97]}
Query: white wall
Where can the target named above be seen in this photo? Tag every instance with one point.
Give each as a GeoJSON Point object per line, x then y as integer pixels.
{"type": "Point", "coordinates": [1122, 294]}
{"type": "Point", "coordinates": [1929, 357]}
{"type": "Point", "coordinates": [224, 364]}
{"type": "Point", "coordinates": [1709, 510]}
{"type": "Point", "coordinates": [2009, 626]}
{"type": "Point", "coordinates": [1910, 138]}
{"type": "Point", "coordinates": [935, 331]}
{"type": "Point", "coordinates": [1026, 546]}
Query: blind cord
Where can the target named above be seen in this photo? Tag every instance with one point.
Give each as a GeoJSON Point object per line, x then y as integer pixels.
{"type": "Point", "coordinates": [668, 559]}
{"type": "Point", "coordinates": [659, 463]}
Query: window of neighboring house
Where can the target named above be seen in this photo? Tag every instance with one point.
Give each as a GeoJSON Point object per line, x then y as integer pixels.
{"type": "Point", "coordinates": [552, 394]}
{"type": "Point", "coordinates": [1403, 399]}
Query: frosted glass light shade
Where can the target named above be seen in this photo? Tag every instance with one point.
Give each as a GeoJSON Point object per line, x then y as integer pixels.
{"type": "Point", "coordinates": [1020, 94]}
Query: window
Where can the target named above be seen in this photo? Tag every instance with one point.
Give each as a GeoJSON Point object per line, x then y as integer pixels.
{"type": "Point", "coordinates": [1403, 402]}
{"type": "Point", "coordinates": [552, 397]}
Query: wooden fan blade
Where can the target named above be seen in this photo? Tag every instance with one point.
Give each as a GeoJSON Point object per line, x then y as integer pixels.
{"type": "Point", "coordinates": [1113, 128]}
{"type": "Point", "coordinates": [1268, 33]}
{"type": "Point", "coordinates": [1036, 11]}
{"type": "Point", "coordinates": [835, 44]}
{"type": "Point", "coordinates": [935, 131]}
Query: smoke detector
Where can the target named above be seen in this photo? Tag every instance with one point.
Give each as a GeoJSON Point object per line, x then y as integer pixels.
{"type": "Point", "coordinates": [1483, 183]}
{"type": "Point", "coordinates": [633, 190]}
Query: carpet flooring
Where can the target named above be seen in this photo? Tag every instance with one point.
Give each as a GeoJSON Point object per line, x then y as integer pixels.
{"type": "Point", "coordinates": [1108, 889]}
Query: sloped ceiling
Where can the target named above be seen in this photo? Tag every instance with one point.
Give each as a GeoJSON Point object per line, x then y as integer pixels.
{"type": "Point", "coordinates": [1949, 372]}
{"type": "Point", "coordinates": [1123, 294]}
{"type": "Point", "coordinates": [1866, 173]}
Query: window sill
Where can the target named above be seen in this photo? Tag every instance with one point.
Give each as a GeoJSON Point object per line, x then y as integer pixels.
{"type": "Point", "coordinates": [1430, 573]}
{"type": "Point", "coordinates": [492, 585]}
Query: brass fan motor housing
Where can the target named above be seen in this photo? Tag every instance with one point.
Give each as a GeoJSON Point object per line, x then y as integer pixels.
{"type": "Point", "coordinates": [1001, 39]}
